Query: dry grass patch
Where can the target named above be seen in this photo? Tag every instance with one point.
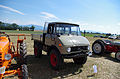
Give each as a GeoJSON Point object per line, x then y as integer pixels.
{"type": "Point", "coordinates": [108, 66]}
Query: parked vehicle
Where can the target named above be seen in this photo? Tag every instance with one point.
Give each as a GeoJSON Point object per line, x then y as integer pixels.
{"type": "Point", "coordinates": [61, 40]}
{"type": "Point", "coordinates": [113, 37]}
{"type": "Point", "coordinates": [105, 36]}
{"type": "Point", "coordinates": [7, 53]}
{"type": "Point", "coordinates": [106, 46]}
{"type": "Point", "coordinates": [95, 36]}
{"type": "Point", "coordinates": [118, 37]}
{"type": "Point", "coordinates": [100, 36]}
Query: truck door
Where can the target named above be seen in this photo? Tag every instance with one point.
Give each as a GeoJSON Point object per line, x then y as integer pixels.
{"type": "Point", "coordinates": [50, 37]}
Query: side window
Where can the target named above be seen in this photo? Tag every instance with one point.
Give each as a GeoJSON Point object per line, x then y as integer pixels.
{"type": "Point", "coordinates": [50, 29]}
{"type": "Point", "coordinates": [45, 27]}
{"type": "Point", "coordinates": [67, 29]}
{"type": "Point", "coordinates": [60, 30]}
{"type": "Point", "coordinates": [57, 29]}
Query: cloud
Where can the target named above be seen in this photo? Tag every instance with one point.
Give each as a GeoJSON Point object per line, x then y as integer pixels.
{"type": "Point", "coordinates": [118, 24]}
{"type": "Point", "coordinates": [20, 22]}
{"type": "Point", "coordinates": [96, 28]}
{"type": "Point", "coordinates": [48, 15]}
{"type": "Point", "coordinates": [11, 9]}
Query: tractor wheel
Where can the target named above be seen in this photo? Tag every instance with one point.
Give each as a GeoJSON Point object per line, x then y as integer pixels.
{"type": "Point", "coordinates": [37, 49]}
{"type": "Point", "coordinates": [80, 60]}
{"type": "Point", "coordinates": [23, 53]}
{"type": "Point", "coordinates": [55, 59]}
{"type": "Point", "coordinates": [24, 71]}
{"type": "Point", "coordinates": [117, 56]}
{"type": "Point", "coordinates": [98, 47]}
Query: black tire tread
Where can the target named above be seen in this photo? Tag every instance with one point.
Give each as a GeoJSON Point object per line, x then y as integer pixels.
{"type": "Point", "coordinates": [23, 53]}
{"type": "Point", "coordinates": [80, 60]}
{"type": "Point", "coordinates": [39, 51]}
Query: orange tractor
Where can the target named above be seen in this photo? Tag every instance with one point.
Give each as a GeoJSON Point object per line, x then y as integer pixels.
{"type": "Point", "coordinates": [8, 53]}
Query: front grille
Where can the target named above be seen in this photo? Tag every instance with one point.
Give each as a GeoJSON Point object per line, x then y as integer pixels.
{"type": "Point", "coordinates": [0, 59]}
{"type": "Point", "coordinates": [79, 48]}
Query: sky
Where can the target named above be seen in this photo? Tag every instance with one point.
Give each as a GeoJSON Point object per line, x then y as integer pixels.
{"type": "Point", "coordinates": [91, 15]}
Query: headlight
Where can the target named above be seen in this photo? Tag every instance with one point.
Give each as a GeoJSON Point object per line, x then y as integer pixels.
{"type": "Point", "coordinates": [8, 56]}
{"type": "Point", "coordinates": [107, 43]}
{"type": "Point", "coordinates": [68, 49]}
{"type": "Point", "coordinates": [88, 47]}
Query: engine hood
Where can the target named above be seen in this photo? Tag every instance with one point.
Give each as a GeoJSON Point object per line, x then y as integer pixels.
{"type": "Point", "coordinates": [4, 44]}
{"type": "Point", "coordinates": [73, 40]}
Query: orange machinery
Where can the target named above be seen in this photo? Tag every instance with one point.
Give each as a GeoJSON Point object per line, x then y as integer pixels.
{"type": "Point", "coordinates": [7, 53]}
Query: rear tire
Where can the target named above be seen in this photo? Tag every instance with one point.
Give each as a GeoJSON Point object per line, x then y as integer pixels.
{"type": "Point", "coordinates": [80, 60]}
{"type": "Point", "coordinates": [37, 49]}
{"type": "Point", "coordinates": [24, 71]}
{"type": "Point", "coordinates": [55, 59]}
{"type": "Point", "coordinates": [117, 56]}
{"type": "Point", "coordinates": [98, 47]}
{"type": "Point", "coordinates": [23, 53]}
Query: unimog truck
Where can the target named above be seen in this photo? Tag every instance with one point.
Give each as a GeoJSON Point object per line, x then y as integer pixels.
{"type": "Point", "coordinates": [61, 40]}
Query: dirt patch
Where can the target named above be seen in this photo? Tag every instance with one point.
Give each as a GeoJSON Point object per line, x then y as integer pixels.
{"type": "Point", "coordinates": [108, 67]}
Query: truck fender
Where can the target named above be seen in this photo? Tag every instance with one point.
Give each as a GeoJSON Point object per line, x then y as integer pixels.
{"type": "Point", "coordinates": [104, 41]}
{"type": "Point", "coordinates": [52, 47]}
{"type": "Point", "coordinates": [100, 41]}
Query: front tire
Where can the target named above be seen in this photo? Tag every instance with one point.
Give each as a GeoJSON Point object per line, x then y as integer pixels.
{"type": "Point", "coordinates": [98, 47]}
{"type": "Point", "coordinates": [55, 59]}
{"type": "Point", "coordinates": [80, 60]}
{"type": "Point", "coordinates": [117, 56]}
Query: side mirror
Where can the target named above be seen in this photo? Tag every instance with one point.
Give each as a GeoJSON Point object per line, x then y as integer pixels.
{"type": "Point", "coordinates": [84, 33]}
{"type": "Point", "coordinates": [58, 35]}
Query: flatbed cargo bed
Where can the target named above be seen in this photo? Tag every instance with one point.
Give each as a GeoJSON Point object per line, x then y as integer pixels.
{"type": "Point", "coordinates": [38, 37]}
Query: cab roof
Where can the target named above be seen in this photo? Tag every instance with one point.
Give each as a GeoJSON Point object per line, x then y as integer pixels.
{"type": "Point", "coordinates": [63, 23]}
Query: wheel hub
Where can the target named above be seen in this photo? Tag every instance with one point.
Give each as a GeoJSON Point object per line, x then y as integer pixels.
{"type": "Point", "coordinates": [97, 48]}
{"type": "Point", "coordinates": [53, 59]}
{"type": "Point", "coordinates": [35, 52]}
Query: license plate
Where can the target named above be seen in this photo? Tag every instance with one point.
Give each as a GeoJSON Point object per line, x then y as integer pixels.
{"type": "Point", "coordinates": [2, 70]}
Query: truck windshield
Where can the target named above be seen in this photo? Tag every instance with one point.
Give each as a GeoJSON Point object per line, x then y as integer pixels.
{"type": "Point", "coordinates": [67, 29]}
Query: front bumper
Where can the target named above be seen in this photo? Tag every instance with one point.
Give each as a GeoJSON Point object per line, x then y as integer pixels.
{"type": "Point", "coordinates": [76, 55]}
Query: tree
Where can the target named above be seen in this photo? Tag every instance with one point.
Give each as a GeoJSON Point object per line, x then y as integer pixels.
{"type": "Point", "coordinates": [0, 22]}
{"type": "Point", "coordinates": [14, 26]}
{"type": "Point", "coordinates": [20, 28]}
{"type": "Point", "coordinates": [1, 26]}
{"type": "Point", "coordinates": [32, 28]}
{"type": "Point", "coordinates": [26, 28]}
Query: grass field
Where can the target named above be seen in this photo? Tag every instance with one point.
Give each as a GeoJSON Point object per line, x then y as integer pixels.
{"type": "Point", "coordinates": [40, 32]}
{"type": "Point", "coordinates": [91, 35]}
{"type": "Point", "coordinates": [23, 32]}
{"type": "Point", "coordinates": [108, 67]}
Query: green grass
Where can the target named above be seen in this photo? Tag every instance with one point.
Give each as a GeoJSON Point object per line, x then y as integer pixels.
{"type": "Point", "coordinates": [23, 32]}
{"type": "Point", "coordinates": [40, 32]}
{"type": "Point", "coordinates": [91, 35]}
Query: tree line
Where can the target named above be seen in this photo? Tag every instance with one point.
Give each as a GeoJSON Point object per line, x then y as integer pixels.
{"type": "Point", "coordinates": [14, 26]}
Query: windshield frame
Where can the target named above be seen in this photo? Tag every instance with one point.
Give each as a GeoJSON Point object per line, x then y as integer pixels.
{"type": "Point", "coordinates": [64, 26]}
